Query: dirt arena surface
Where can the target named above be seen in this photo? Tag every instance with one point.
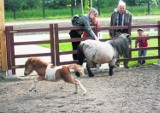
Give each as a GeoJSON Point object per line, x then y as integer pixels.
{"type": "Point", "coordinates": [134, 90]}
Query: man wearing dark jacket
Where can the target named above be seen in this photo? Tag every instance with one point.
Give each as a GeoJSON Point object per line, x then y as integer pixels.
{"type": "Point", "coordinates": [120, 17]}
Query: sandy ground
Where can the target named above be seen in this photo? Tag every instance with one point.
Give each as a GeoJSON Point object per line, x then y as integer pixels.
{"type": "Point", "coordinates": [134, 90]}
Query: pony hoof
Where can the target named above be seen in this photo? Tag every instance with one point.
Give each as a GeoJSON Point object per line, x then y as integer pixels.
{"type": "Point", "coordinates": [91, 75]}
{"type": "Point", "coordinates": [75, 93]}
{"type": "Point", "coordinates": [30, 90]}
{"type": "Point", "coordinates": [84, 93]}
{"type": "Point", "coordinates": [127, 67]}
{"type": "Point", "coordinates": [110, 74]}
{"type": "Point", "coordinates": [35, 90]}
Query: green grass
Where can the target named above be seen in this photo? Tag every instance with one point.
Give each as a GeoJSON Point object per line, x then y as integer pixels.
{"type": "Point", "coordinates": [62, 46]}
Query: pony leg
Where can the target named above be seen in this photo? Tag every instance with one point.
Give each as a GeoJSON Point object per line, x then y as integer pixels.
{"type": "Point", "coordinates": [111, 69]}
{"type": "Point", "coordinates": [35, 81]}
{"type": "Point", "coordinates": [81, 86]}
{"type": "Point", "coordinates": [89, 71]}
{"type": "Point", "coordinates": [81, 55]}
{"type": "Point", "coordinates": [112, 65]}
{"type": "Point", "coordinates": [33, 86]}
{"type": "Point", "coordinates": [76, 87]}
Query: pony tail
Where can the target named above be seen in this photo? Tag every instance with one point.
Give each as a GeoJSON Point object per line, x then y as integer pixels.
{"type": "Point", "coordinates": [80, 55]}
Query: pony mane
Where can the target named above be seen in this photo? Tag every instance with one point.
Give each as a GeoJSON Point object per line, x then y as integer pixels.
{"type": "Point", "coordinates": [121, 44]}
{"type": "Point", "coordinates": [36, 62]}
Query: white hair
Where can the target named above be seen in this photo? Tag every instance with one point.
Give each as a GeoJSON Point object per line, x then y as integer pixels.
{"type": "Point", "coordinates": [121, 3]}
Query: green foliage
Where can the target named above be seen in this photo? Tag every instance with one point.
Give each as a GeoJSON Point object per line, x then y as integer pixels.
{"type": "Point", "coordinates": [56, 4]}
{"type": "Point", "coordinates": [153, 3]}
{"type": "Point", "coordinates": [86, 6]}
{"type": "Point", "coordinates": [62, 46]}
{"type": "Point", "coordinates": [22, 4]}
{"type": "Point", "coordinates": [109, 3]}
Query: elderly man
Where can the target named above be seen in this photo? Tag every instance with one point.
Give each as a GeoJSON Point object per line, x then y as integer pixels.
{"type": "Point", "coordinates": [84, 21]}
{"type": "Point", "coordinates": [120, 17]}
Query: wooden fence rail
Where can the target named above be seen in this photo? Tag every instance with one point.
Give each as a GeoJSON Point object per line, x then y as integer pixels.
{"type": "Point", "coordinates": [55, 40]}
{"type": "Point", "coordinates": [11, 56]}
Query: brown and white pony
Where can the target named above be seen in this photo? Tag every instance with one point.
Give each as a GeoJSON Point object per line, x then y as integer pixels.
{"type": "Point", "coordinates": [53, 73]}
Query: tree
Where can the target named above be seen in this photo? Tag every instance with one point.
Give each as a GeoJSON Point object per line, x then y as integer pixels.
{"type": "Point", "coordinates": [86, 6]}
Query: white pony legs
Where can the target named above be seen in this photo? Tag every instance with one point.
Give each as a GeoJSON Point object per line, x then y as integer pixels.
{"type": "Point", "coordinates": [76, 87]}
{"type": "Point", "coordinates": [81, 86]}
{"type": "Point", "coordinates": [33, 86]}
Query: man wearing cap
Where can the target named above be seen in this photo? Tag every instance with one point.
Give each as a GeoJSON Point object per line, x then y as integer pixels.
{"type": "Point", "coordinates": [84, 21]}
{"type": "Point", "coordinates": [141, 43]}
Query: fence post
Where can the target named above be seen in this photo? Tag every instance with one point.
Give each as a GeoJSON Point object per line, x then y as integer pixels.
{"type": "Point", "coordinates": [129, 31]}
{"type": "Point", "coordinates": [57, 61]}
{"type": "Point", "coordinates": [52, 48]}
{"type": "Point", "coordinates": [3, 63]}
{"type": "Point", "coordinates": [96, 30]}
{"type": "Point", "coordinates": [158, 41]}
{"type": "Point", "coordinates": [12, 49]}
{"type": "Point", "coordinates": [9, 70]}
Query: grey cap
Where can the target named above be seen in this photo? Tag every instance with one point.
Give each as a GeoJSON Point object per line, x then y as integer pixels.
{"type": "Point", "coordinates": [139, 29]}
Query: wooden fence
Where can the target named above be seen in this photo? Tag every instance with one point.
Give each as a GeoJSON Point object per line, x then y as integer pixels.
{"type": "Point", "coordinates": [55, 40]}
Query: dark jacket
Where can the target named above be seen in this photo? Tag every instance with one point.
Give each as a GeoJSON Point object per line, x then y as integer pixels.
{"type": "Point", "coordinates": [113, 22]}
{"type": "Point", "coordinates": [85, 22]}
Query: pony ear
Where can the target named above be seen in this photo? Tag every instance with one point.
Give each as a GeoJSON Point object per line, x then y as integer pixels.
{"type": "Point", "coordinates": [128, 37]}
